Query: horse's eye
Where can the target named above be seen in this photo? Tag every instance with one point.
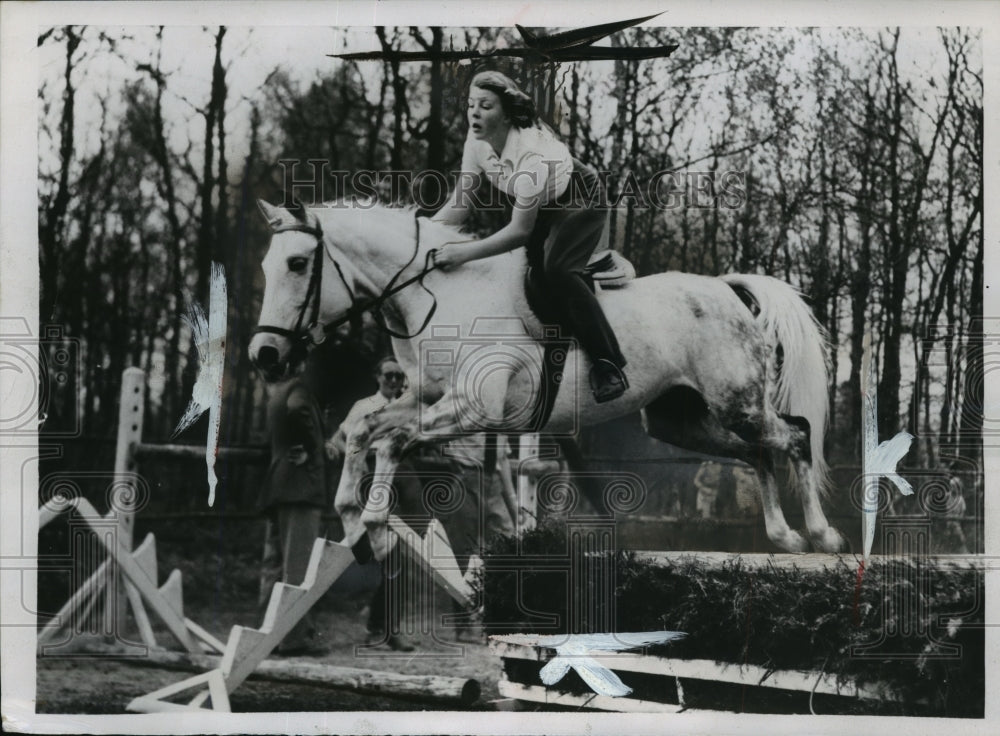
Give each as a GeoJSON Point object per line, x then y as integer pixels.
{"type": "Point", "coordinates": [297, 264]}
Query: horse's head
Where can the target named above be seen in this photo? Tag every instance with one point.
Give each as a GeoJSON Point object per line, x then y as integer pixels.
{"type": "Point", "coordinates": [295, 302]}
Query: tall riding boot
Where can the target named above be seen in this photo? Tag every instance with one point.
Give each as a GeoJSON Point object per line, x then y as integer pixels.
{"type": "Point", "coordinates": [582, 313]}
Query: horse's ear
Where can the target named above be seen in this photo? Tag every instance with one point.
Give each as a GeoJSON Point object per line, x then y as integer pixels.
{"type": "Point", "coordinates": [296, 208]}
{"type": "Point", "coordinates": [271, 213]}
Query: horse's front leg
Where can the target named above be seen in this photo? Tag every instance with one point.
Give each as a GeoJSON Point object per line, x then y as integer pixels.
{"type": "Point", "coordinates": [442, 420]}
{"type": "Point", "coordinates": [349, 501]}
{"type": "Point", "coordinates": [388, 454]}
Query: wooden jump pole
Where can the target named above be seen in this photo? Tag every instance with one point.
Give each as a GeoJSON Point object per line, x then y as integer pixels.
{"type": "Point", "coordinates": [131, 412]}
{"type": "Point", "coordinates": [527, 485]}
{"type": "Point", "coordinates": [812, 561]}
{"type": "Point", "coordinates": [197, 452]}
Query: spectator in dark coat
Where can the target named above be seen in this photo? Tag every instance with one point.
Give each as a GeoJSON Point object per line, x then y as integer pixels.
{"type": "Point", "coordinates": [294, 494]}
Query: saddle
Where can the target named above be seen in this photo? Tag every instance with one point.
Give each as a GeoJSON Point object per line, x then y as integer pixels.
{"type": "Point", "coordinates": [609, 269]}
{"type": "Point", "coordinates": [606, 269]}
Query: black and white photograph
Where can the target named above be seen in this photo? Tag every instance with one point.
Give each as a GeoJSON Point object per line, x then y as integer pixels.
{"type": "Point", "coordinates": [410, 367]}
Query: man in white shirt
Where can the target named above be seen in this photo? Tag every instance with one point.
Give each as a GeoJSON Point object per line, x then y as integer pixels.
{"type": "Point", "coordinates": [391, 381]}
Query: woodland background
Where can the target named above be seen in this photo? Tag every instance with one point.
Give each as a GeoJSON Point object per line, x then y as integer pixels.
{"type": "Point", "coordinates": [862, 152]}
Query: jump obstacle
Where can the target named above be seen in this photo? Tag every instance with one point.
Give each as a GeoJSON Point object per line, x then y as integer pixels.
{"type": "Point", "coordinates": [244, 654]}
{"type": "Point", "coordinates": [665, 678]}
{"type": "Point", "coordinates": [135, 568]}
{"type": "Point", "coordinates": [245, 651]}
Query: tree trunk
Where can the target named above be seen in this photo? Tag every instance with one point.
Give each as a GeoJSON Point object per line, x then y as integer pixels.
{"type": "Point", "coordinates": [172, 393]}
{"type": "Point", "coordinates": [435, 123]}
{"type": "Point", "coordinates": [50, 231]}
{"type": "Point", "coordinates": [574, 113]}
{"type": "Point", "coordinates": [398, 102]}
{"type": "Point", "coordinates": [375, 129]}
{"type": "Point", "coordinates": [973, 408]}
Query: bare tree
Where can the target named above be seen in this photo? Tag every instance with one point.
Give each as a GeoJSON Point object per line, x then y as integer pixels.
{"type": "Point", "coordinates": [53, 206]}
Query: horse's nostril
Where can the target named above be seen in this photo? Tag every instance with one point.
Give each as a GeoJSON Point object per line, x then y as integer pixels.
{"type": "Point", "coordinates": [267, 357]}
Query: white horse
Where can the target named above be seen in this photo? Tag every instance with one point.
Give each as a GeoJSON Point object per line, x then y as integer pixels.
{"type": "Point", "coordinates": [707, 373]}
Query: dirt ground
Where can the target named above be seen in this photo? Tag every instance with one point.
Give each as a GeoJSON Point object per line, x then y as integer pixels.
{"type": "Point", "coordinates": [101, 684]}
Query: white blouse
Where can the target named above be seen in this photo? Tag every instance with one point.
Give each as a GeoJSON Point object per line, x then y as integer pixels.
{"type": "Point", "coordinates": [533, 164]}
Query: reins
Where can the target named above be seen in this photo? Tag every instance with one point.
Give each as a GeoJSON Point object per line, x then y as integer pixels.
{"type": "Point", "coordinates": [302, 336]}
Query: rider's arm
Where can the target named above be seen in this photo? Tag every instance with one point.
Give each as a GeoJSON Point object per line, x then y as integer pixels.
{"type": "Point", "coordinates": [513, 235]}
{"type": "Point", "coordinates": [457, 210]}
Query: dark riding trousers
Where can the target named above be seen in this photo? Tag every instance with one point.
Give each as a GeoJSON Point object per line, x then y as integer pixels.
{"type": "Point", "coordinates": [566, 234]}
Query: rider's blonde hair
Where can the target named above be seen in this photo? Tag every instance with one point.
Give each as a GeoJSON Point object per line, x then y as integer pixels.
{"type": "Point", "coordinates": [518, 106]}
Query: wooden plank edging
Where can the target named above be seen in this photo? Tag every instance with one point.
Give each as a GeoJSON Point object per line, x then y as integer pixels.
{"type": "Point", "coordinates": [540, 694]}
{"type": "Point", "coordinates": [705, 669]}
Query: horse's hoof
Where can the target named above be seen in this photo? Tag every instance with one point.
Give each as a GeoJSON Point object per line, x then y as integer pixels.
{"type": "Point", "coordinates": [829, 540]}
{"type": "Point", "coordinates": [380, 539]}
{"type": "Point", "coordinates": [379, 543]}
{"type": "Point", "coordinates": [791, 541]}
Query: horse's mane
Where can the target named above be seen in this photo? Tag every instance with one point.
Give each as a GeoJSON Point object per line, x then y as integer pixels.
{"type": "Point", "coordinates": [364, 214]}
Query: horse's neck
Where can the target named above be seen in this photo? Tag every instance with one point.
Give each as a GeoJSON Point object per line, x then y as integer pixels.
{"type": "Point", "coordinates": [488, 288]}
{"type": "Point", "coordinates": [382, 244]}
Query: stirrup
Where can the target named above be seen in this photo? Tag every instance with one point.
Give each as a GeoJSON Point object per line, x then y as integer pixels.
{"type": "Point", "coordinates": [607, 381]}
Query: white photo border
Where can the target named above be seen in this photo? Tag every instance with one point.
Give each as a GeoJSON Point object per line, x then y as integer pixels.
{"type": "Point", "coordinates": [19, 25]}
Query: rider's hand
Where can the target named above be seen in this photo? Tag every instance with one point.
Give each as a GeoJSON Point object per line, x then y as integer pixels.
{"type": "Point", "coordinates": [449, 256]}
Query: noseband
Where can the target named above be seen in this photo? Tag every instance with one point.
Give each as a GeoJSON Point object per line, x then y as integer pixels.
{"type": "Point", "coordinates": [301, 335]}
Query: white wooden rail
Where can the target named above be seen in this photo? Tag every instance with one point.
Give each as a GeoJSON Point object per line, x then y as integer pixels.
{"type": "Point", "coordinates": [521, 647]}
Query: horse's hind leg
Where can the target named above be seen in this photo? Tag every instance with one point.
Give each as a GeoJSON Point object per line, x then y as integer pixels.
{"type": "Point", "coordinates": [793, 434]}
{"type": "Point", "coordinates": [775, 523]}
{"type": "Point", "coordinates": [681, 417]}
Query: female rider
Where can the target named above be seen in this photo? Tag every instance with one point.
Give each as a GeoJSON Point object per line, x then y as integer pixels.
{"type": "Point", "coordinates": [560, 229]}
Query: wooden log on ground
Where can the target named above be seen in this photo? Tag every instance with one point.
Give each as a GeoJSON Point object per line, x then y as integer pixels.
{"type": "Point", "coordinates": [460, 690]}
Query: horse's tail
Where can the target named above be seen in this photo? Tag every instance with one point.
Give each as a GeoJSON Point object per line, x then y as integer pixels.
{"type": "Point", "coordinates": [798, 344]}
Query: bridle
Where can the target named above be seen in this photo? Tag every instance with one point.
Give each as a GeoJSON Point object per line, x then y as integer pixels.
{"type": "Point", "coordinates": [302, 334]}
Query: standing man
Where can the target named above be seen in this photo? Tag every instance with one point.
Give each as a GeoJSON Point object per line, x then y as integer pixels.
{"type": "Point", "coordinates": [391, 381]}
{"type": "Point", "coordinates": [294, 495]}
